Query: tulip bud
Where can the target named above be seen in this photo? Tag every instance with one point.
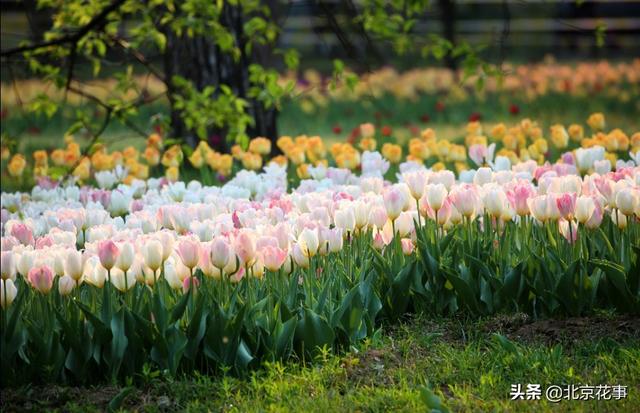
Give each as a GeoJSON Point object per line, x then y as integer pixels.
{"type": "Point", "coordinates": [407, 246]}
{"type": "Point", "coordinates": [73, 265]}
{"type": "Point", "coordinates": [378, 217]}
{"type": "Point", "coordinates": [41, 278]}
{"type": "Point", "coordinates": [299, 256]}
{"type": "Point", "coordinates": [8, 291]}
{"type": "Point", "coordinates": [274, 257]}
{"type": "Point", "coordinates": [189, 252]}
{"type": "Point", "coordinates": [345, 219]}
{"type": "Point", "coordinates": [108, 253]}
{"type": "Point", "coordinates": [220, 252]}
{"type": "Point", "coordinates": [66, 284]}
{"type": "Point", "coordinates": [626, 201]}
{"type": "Point", "coordinates": [126, 257]}
{"type": "Point", "coordinates": [7, 265]}
{"type": "Point", "coordinates": [186, 284]}
{"type": "Point", "coordinates": [245, 247]}
{"type": "Point", "coordinates": [394, 200]}
{"type": "Point", "coordinates": [166, 241]}
{"type": "Point", "coordinates": [436, 194]}
{"type": "Point", "coordinates": [584, 208]}
{"type": "Point", "coordinates": [152, 254]}
{"type": "Point", "coordinates": [309, 242]}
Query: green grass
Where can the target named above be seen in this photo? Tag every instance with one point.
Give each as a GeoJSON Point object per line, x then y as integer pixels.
{"type": "Point", "coordinates": [461, 361]}
{"type": "Point", "coordinates": [450, 124]}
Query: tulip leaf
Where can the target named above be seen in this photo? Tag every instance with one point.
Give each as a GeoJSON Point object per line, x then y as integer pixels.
{"type": "Point", "coordinates": [313, 331]}
{"type": "Point", "coordinates": [178, 310]}
{"type": "Point", "coordinates": [119, 341]}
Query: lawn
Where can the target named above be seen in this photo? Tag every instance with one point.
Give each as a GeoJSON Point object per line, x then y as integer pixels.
{"type": "Point", "coordinates": [469, 365]}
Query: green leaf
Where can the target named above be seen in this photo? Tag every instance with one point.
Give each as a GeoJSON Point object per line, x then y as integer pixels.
{"type": "Point", "coordinates": [119, 398]}
{"type": "Point", "coordinates": [313, 332]}
{"type": "Point", "coordinates": [431, 401]}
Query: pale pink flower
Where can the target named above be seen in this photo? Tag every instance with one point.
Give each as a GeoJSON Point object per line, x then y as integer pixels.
{"type": "Point", "coordinates": [108, 253]}
{"type": "Point", "coordinates": [41, 278]}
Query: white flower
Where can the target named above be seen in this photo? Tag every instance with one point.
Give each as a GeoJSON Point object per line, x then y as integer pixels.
{"type": "Point", "coordinates": [373, 164]}
{"type": "Point", "coordinates": [106, 179]}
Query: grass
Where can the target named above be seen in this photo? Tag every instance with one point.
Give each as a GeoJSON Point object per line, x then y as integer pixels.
{"type": "Point", "coordinates": [463, 362]}
{"type": "Point", "coordinates": [33, 132]}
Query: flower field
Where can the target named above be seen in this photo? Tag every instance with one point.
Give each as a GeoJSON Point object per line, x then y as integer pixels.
{"type": "Point", "coordinates": [112, 264]}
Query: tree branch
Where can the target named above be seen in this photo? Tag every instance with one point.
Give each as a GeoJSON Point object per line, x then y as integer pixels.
{"type": "Point", "coordinates": [97, 22]}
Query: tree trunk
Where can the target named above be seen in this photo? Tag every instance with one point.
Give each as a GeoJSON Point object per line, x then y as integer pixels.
{"type": "Point", "coordinates": [199, 60]}
{"type": "Point", "coordinates": [448, 18]}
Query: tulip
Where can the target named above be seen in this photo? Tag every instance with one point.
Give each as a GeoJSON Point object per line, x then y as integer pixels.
{"type": "Point", "coordinates": [309, 241]}
{"type": "Point", "coordinates": [596, 217]}
{"type": "Point", "coordinates": [495, 201]}
{"type": "Point", "coordinates": [626, 201]}
{"type": "Point", "coordinates": [538, 206]}
{"type": "Point", "coordinates": [8, 265]}
{"type": "Point", "coordinates": [73, 266]}
{"type": "Point", "coordinates": [171, 275]}
{"type": "Point", "coordinates": [361, 212]}
{"type": "Point", "coordinates": [166, 241]}
{"type": "Point", "coordinates": [332, 239]}
{"type": "Point", "coordinates": [519, 196]}
{"type": "Point", "coordinates": [416, 181]}
{"type": "Point", "coordinates": [299, 256]}
{"type": "Point", "coordinates": [407, 246]}
{"type": "Point", "coordinates": [22, 233]}
{"type": "Point", "coordinates": [108, 253]}
{"type": "Point", "coordinates": [41, 278]}
{"type": "Point", "coordinates": [584, 208]}
{"type": "Point", "coordinates": [273, 257]}
{"type": "Point", "coordinates": [566, 204]}
{"type": "Point", "coordinates": [378, 217]}
{"type": "Point", "coordinates": [378, 242]}
{"type": "Point", "coordinates": [394, 201]}
{"type": "Point", "coordinates": [345, 219]}
{"type": "Point", "coordinates": [122, 280]}
{"type": "Point", "coordinates": [186, 284]}
{"type": "Point", "coordinates": [189, 252]}
{"type": "Point", "coordinates": [66, 284]}
{"type": "Point", "coordinates": [8, 292]}
{"type": "Point", "coordinates": [483, 176]}
{"type": "Point", "coordinates": [245, 246]}
{"type": "Point", "coordinates": [436, 194]}
{"type": "Point", "coordinates": [220, 252]}
{"type": "Point", "coordinates": [466, 201]}
{"type": "Point", "coordinates": [404, 224]}
{"type": "Point", "coordinates": [126, 257]}
{"type": "Point", "coordinates": [152, 254]}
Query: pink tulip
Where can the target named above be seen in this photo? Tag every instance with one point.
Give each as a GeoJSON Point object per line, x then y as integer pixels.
{"type": "Point", "coordinates": [378, 242]}
{"type": "Point", "coordinates": [566, 204]}
{"type": "Point", "coordinates": [596, 217]}
{"type": "Point", "coordinates": [265, 241]}
{"type": "Point", "coordinates": [394, 201]}
{"type": "Point", "coordinates": [41, 278]}
{"type": "Point", "coordinates": [273, 257]}
{"type": "Point", "coordinates": [569, 230]}
{"type": "Point", "coordinates": [186, 284]}
{"type": "Point", "coordinates": [466, 200]}
{"type": "Point", "coordinates": [220, 252]}
{"type": "Point", "coordinates": [245, 247]}
{"type": "Point", "coordinates": [189, 252]}
{"type": "Point", "coordinates": [518, 197]}
{"type": "Point", "coordinates": [23, 233]}
{"type": "Point", "coordinates": [407, 246]}
{"type": "Point", "coordinates": [108, 253]}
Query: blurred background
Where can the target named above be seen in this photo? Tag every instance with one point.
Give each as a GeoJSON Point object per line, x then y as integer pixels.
{"type": "Point", "coordinates": [559, 62]}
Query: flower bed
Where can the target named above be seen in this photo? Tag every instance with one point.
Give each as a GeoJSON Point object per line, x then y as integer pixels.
{"type": "Point", "coordinates": [101, 283]}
